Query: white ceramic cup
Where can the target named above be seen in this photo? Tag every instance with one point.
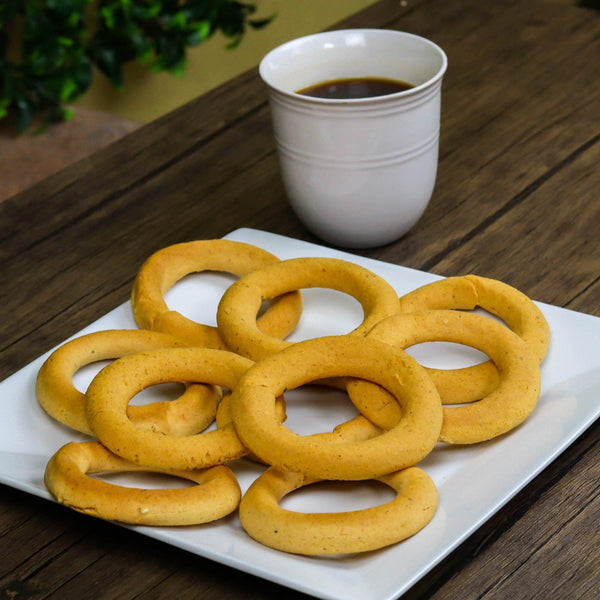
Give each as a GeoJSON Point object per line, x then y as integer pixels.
{"type": "Point", "coordinates": [359, 173]}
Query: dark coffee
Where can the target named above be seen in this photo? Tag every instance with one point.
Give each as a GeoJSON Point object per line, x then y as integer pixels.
{"type": "Point", "coordinates": [359, 87]}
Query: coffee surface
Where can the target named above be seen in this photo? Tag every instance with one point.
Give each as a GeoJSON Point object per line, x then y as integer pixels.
{"type": "Point", "coordinates": [359, 87]}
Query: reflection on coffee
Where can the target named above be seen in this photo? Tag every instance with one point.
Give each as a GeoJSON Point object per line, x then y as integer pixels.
{"type": "Point", "coordinates": [359, 87]}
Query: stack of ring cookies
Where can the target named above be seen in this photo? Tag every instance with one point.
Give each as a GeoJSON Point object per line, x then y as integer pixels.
{"type": "Point", "coordinates": [235, 376]}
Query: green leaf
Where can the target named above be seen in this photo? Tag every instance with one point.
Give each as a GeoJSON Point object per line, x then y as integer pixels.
{"type": "Point", "coordinates": [67, 113]}
{"type": "Point", "coordinates": [65, 41]}
{"type": "Point", "coordinates": [68, 90]}
{"type": "Point", "coordinates": [108, 16]}
{"type": "Point", "coordinates": [178, 69]}
{"type": "Point", "coordinates": [145, 11]}
{"type": "Point", "coordinates": [234, 43]}
{"type": "Point", "coordinates": [178, 20]}
{"type": "Point", "coordinates": [260, 23]}
{"type": "Point", "coordinates": [146, 57]}
{"type": "Point", "coordinates": [108, 62]}
{"type": "Point", "coordinates": [201, 31]}
{"type": "Point", "coordinates": [204, 28]}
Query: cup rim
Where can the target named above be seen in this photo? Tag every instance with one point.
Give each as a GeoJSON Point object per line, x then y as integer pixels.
{"type": "Point", "coordinates": [354, 101]}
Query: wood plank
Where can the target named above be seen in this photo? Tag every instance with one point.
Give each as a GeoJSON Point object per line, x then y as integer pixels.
{"type": "Point", "coordinates": [570, 569]}
{"type": "Point", "coordinates": [163, 573]}
{"type": "Point", "coordinates": [83, 259]}
{"type": "Point", "coordinates": [553, 258]}
{"type": "Point", "coordinates": [586, 300]}
{"type": "Point", "coordinates": [34, 543]}
{"type": "Point", "coordinates": [557, 531]}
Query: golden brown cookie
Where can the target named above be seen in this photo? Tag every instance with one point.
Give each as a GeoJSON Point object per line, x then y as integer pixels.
{"type": "Point", "coordinates": [500, 411]}
{"type": "Point", "coordinates": [411, 439]}
{"type": "Point", "coordinates": [190, 413]}
{"type": "Point", "coordinates": [236, 315]}
{"type": "Point", "coordinates": [111, 390]}
{"type": "Point", "coordinates": [167, 266]}
{"type": "Point", "coordinates": [339, 532]}
{"type": "Point", "coordinates": [468, 292]}
{"type": "Point", "coordinates": [215, 495]}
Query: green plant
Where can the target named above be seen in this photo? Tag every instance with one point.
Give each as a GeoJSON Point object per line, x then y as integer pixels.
{"type": "Point", "coordinates": [49, 48]}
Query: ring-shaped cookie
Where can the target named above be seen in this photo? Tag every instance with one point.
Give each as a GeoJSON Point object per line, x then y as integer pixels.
{"type": "Point", "coordinates": [236, 315]}
{"type": "Point", "coordinates": [341, 532]}
{"type": "Point", "coordinates": [192, 412]}
{"type": "Point", "coordinates": [111, 390]}
{"type": "Point", "coordinates": [216, 494]}
{"type": "Point", "coordinates": [500, 411]}
{"type": "Point", "coordinates": [167, 266]}
{"type": "Point", "coordinates": [468, 292]}
{"type": "Point", "coordinates": [411, 439]}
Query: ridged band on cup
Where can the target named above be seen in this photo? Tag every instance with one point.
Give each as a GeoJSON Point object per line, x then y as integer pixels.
{"type": "Point", "coordinates": [367, 161]}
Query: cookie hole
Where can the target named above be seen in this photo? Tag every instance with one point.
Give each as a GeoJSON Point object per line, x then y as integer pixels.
{"type": "Point", "coordinates": [327, 312]}
{"type": "Point", "coordinates": [338, 496]}
{"type": "Point", "coordinates": [142, 479]}
{"type": "Point", "coordinates": [317, 409]}
{"type": "Point", "coordinates": [197, 295]}
{"type": "Point", "coordinates": [446, 355]}
{"type": "Point", "coordinates": [158, 393]}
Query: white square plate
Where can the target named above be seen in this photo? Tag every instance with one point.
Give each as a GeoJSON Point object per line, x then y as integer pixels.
{"type": "Point", "coordinates": [492, 472]}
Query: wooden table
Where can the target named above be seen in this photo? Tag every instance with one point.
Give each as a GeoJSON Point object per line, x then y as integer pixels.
{"type": "Point", "coordinates": [516, 199]}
